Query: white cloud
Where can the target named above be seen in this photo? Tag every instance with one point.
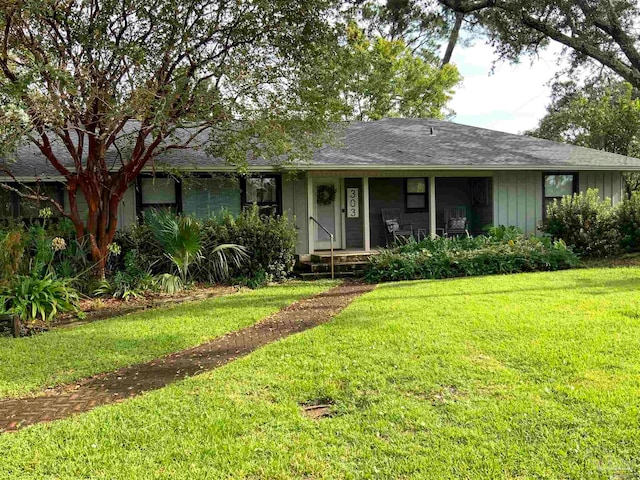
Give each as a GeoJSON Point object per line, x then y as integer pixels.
{"type": "Point", "coordinates": [512, 99]}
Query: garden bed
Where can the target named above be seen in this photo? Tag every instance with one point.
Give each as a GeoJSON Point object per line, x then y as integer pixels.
{"type": "Point", "coordinates": [102, 308]}
{"type": "Point", "coordinates": [503, 250]}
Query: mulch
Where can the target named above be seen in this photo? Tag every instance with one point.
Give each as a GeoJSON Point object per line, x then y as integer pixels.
{"type": "Point", "coordinates": [131, 381]}
{"type": "Point", "coordinates": [102, 309]}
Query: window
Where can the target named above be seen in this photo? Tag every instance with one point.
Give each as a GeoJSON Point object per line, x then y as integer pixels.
{"type": "Point", "coordinates": [13, 205]}
{"type": "Point", "coordinates": [158, 193]}
{"type": "Point", "coordinates": [416, 195]}
{"type": "Point", "coordinates": [29, 209]}
{"type": "Point", "coordinates": [6, 203]}
{"type": "Point", "coordinates": [208, 196]}
{"type": "Point", "coordinates": [263, 191]}
{"type": "Point", "coordinates": [557, 185]}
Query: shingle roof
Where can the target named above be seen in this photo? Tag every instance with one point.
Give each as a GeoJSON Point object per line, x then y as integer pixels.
{"type": "Point", "coordinates": [398, 143]}
{"type": "Point", "coordinates": [441, 144]}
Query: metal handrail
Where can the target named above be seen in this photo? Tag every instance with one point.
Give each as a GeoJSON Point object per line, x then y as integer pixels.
{"type": "Point", "coordinates": [331, 237]}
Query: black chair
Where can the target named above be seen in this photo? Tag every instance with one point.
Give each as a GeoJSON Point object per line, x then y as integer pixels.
{"type": "Point", "coordinates": [395, 227]}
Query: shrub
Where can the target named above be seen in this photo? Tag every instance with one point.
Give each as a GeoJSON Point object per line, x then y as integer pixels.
{"type": "Point", "coordinates": [12, 249]}
{"type": "Point", "coordinates": [43, 248]}
{"type": "Point", "coordinates": [183, 244]}
{"type": "Point", "coordinates": [629, 223]}
{"type": "Point", "coordinates": [460, 257]}
{"type": "Point", "coordinates": [270, 243]}
{"type": "Point", "coordinates": [180, 237]}
{"type": "Point", "coordinates": [586, 222]}
{"type": "Point", "coordinates": [503, 233]}
{"type": "Point", "coordinates": [149, 252]}
{"type": "Point", "coordinates": [130, 281]}
{"type": "Point", "coordinates": [38, 299]}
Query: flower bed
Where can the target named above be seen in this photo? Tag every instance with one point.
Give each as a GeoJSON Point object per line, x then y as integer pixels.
{"type": "Point", "coordinates": [503, 251]}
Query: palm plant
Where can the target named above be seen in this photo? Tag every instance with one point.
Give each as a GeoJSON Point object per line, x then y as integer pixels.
{"type": "Point", "coordinates": [219, 257]}
{"type": "Point", "coordinates": [182, 240]}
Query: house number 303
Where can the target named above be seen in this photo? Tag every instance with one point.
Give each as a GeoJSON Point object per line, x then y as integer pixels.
{"type": "Point", "coordinates": [353, 203]}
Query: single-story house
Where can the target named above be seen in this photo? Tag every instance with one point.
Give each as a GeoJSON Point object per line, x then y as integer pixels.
{"type": "Point", "coordinates": [429, 176]}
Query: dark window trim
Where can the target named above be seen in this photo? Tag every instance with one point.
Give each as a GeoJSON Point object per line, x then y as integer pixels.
{"type": "Point", "coordinates": [575, 188]}
{"type": "Point", "coordinates": [140, 205]}
{"type": "Point", "coordinates": [15, 198]}
{"type": "Point", "coordinates": [243, 192]}
{"type": "Point", "coordinates": [425, 195]}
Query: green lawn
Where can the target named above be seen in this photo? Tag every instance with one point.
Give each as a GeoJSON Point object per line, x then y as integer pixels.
{"type": "Point", "coordinates": [523, 376]}
{"type": "Point", "coordinates": [64, 355]}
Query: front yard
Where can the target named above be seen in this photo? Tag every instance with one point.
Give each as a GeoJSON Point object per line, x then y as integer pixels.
{"type": "Point", "coordinates": [63, 355]}
{"type": "Point", "coordinates": [530, 375]}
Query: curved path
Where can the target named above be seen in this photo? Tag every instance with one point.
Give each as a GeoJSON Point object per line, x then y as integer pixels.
{"type": "Point", "coordinates": [130, 381]}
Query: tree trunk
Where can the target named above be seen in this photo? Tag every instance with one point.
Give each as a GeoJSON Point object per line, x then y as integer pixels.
{"type": "Point", "coordinates": [102, 218]}
{"type": "Point", "coordinates": [453, 39]}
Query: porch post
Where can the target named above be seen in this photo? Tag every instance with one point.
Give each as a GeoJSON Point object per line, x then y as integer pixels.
{"type": "Point", "coordinates": [432, 206]}
{"type": "Point", "coordinates": [365, 213]}
{"type": "Point", "coordinates": [310, 225]}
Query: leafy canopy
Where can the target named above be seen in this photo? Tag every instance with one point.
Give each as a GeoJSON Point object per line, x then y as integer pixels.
{"type": "Point", "coordinates": [387, 79]}
{"type": "Point", "coordinates": [601, 116]}
{"type": "Point", "coordinates": [115, 83]}
{"type": "Point", "coordinates": [604, 31]}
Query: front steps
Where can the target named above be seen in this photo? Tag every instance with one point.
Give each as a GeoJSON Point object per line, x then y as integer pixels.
{"type": "Point", "coordinates": [346, 265]}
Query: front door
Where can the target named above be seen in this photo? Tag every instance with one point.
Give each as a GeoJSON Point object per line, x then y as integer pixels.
{"type": "Point", "coordinates": [326, 210]}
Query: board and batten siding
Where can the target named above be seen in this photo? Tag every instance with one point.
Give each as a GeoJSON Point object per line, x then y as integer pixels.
{"type": "Point", "coordinates": [294, 204]}
{"type": "Point", "coordinates": [517, 195]}
{"type": "Point", "coordinates": [517, 199]}
{"type": "Point", "coordinates": [609, 184]}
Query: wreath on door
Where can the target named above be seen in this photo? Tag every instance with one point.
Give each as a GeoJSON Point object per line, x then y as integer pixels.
{"type": "Point", "coordinates": [326, 194]}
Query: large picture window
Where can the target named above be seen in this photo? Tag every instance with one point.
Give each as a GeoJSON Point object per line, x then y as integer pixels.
{"type": "Point", "coordinates": [264, 191]}
{"type": "Point", "coordinates": [558, 185]}
{"type": "Point", "coordinates": [416, 194]}
{"type": "Point", "coordinates": [204, 197]}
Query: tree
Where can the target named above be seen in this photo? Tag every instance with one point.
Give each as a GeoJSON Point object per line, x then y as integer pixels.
{"type": "Point", "coordinates": [424, 25]}
{"type": "Point", "coordinates": [385, 78]}
{"type": "Point", "coordinates": [600, 30]}
{"type": "Point", "coordinates": [604, 116]}
{"type": "Point", "coordinates": [118, 82]}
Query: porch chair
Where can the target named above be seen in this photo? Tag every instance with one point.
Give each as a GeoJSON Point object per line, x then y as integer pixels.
{"type": "Point", "coordinates": [456, 221]}
{"type": "Point", "coordinates": [394, 226]}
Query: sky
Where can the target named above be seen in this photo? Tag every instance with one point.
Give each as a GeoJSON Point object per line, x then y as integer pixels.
{"type": "Point", "coordinates": [511, 99]}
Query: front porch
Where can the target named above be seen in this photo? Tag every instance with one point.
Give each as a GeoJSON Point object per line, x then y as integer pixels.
{"type": "Point", "coordinates": [356, 210]}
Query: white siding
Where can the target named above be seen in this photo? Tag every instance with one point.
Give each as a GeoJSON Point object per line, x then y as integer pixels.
{"type": "Point", "coordinates": [294, 203]}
